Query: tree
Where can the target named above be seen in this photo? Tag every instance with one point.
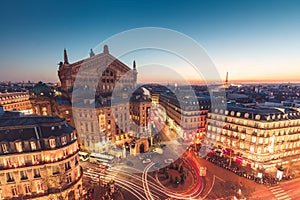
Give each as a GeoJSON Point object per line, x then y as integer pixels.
{"type": "Point", "coordinates": [181, 179]}
{"type": "Point", "coordinates": [181, 169]}
{"type": "Point", "coordinates": [171, 166]}
{"type": "Point", "coordinates": [166, 175]}
{"type": "Point", "coordinates": [176, 167]}
{"type": "Point", "coordinates": [171, 179]}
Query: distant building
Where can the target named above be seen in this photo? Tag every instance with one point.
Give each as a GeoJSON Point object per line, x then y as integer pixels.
{"type": "Point", "coordinates": [16, 101]}
{"type": "Point", "coordinates": [38, 158]}
{"type": "Point", "coordinates": [259, 137]}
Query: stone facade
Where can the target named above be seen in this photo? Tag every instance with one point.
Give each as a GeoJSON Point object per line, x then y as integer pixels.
{"type": "Point", "coordinates": [39, 159]}
{"type": "Point", "coordinates": [258, 137]}
{"type": "Point", "coordinates": [102, 87]}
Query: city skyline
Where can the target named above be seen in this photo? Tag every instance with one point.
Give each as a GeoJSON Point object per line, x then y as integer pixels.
{"type": "Point", "coordinates": [242, 38]}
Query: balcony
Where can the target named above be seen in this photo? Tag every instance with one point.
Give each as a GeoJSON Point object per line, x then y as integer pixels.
{"type": "Point", "coordinates": [24, 178]}
{"type": "Point", "coordinates": [40, 162]}
{"type": "Point", "coordinates": [37, 176]}
{"type": "Point", "coordinates": [10, 180]}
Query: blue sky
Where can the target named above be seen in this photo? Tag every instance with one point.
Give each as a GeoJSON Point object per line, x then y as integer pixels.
{"type": "Point", "coordinates": [250, 39]}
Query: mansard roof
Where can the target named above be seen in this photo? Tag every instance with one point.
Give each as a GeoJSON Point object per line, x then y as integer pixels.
{"type": "Point", "coordinates": [32, 127]}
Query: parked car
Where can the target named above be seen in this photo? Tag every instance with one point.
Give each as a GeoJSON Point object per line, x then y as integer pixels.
{"type": "Point", "coordinates": [169, 161]}
{"type": "Point", "coordinates": [146, 161]}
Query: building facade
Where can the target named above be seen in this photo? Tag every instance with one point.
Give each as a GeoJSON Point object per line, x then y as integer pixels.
{"type": "Point", "coordinates": [38, 158]}
{"type": "Point", "coordinates": [259, 137]}
{"type": "Point", "coordinates": [185, 113]}
{"type": "Point", "coordinates": [102, 119]}
{"type": "Point", "coordinates": [102, 70]}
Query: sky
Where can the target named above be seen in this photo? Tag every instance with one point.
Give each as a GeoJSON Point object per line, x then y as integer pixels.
{"type": "Point", "coordinates": [252, 40]}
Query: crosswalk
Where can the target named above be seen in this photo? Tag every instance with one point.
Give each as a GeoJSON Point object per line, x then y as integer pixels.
{"type": "Point", "coordinates": [279, 193]}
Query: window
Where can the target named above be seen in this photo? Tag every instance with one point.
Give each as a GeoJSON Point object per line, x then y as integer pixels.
{"type": "Point", "coordinates": [252, 148]}
{"type": "Point", "coordinates": [33, 145]}
{"type": "Point", "coordinates": [64, 140]}
{"type": "Point", "coordinates": [52, 143]}
{"type": "Point", "coordinates": [10, 177]}
{"type": "Point", "coordinates": [86, 127]}
{"type": "Point", "coordinates": [67, 166]}
{"type": "Point", "coordinates": [257, 117]}
{"type": "Point", "coordinates": [259, 150]}
{"type": "Point", "coordinates": [72, 136]}
{"type": "Point", "coordinates": [243, 136]}
{"type": "Point", "coordinates": [92, 127]}
{"type": "Point", "coordinates": [241, 145]}
{"type": "Point", "coordinates": [39, 188]}
{"type": "Point", "coordinates": [27, 189]}
{"type": "Point", "coordinates": [34, 159]}
{"type": "Point", "coordinates": [65, 152]}
{"type": "Point", "coordinates": [4, 148]}
{"type": "Point", "coordinates": [253, 139]}
{"type": "Point", "coordinates": [14, 190]}
{"type": "Point", "coordinates": [36, 173]}
{"type": "Point", "coordinates": [23, 175]}
{"type": "Point", "coordinates": [6, 162]}
{"type": "Point", "coordinates": [55, 170]}
{"type": "Point", "coordinates": [234, 143]}
{"type": "Point", "coordinates": [222, 139]}
{"type": "Point", "coordinates": [69, 178]}
{"type": "Point", "coordinates": [260, 140]}
{"type": "Point", "coordinates": [19, 147]}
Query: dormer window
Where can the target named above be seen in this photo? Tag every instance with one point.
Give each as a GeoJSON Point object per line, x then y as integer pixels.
{"type": "Point", "coordinates": [52, 143]}
{"type": "Point", "coordinates": [4, 148]}
{"type": "Point", "coordinates": [33, 145]}
{"type": "Point", "coordinates": [72, 136]}
{"type": "Point", "coordinates": [19, 147]}
{"type": "Point", "coordinates": [232, 113]}
{"type": "Point", "coordinates": [257, 117]}
{"type": "Point", "coordinates": [64, 140]}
